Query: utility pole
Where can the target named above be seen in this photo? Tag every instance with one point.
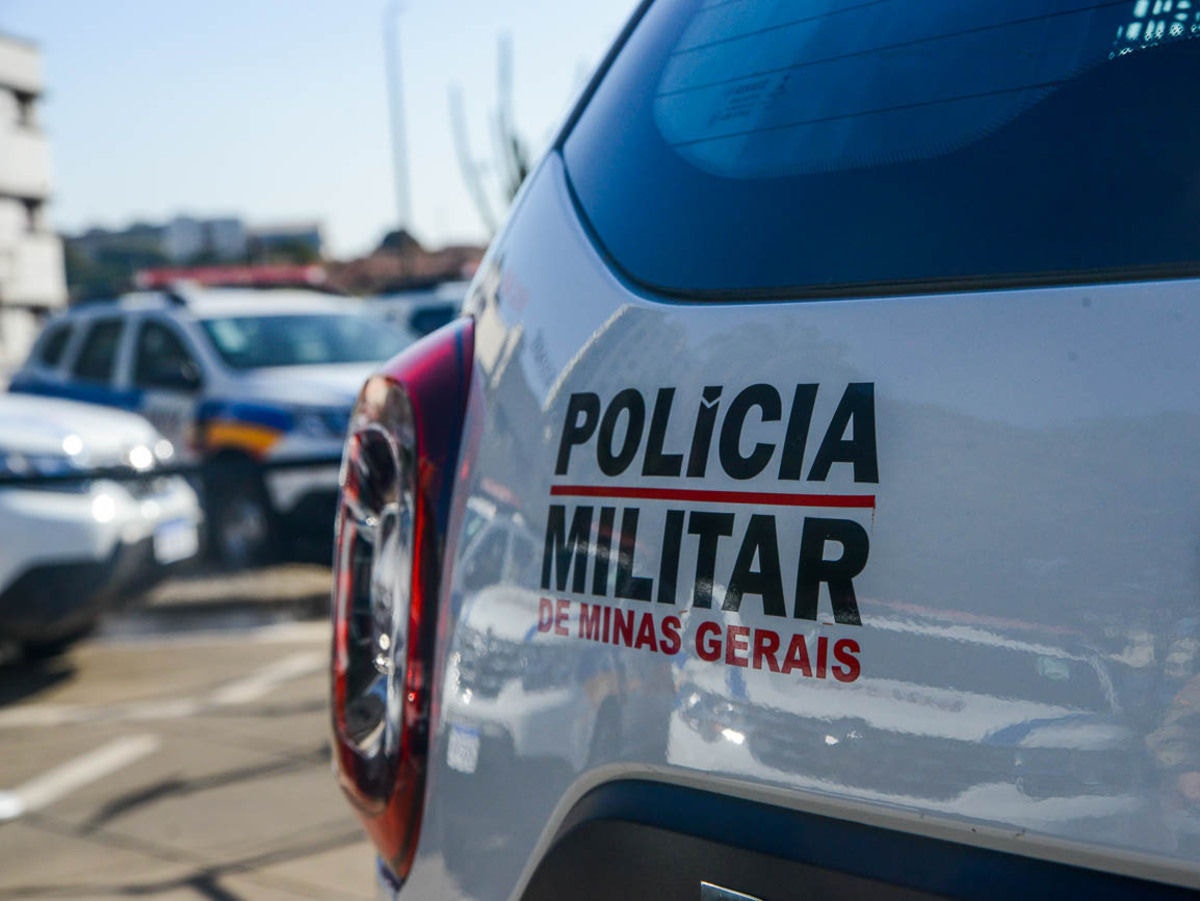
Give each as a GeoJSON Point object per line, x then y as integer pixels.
{"type": "Point", "coordinates": [391, 47]}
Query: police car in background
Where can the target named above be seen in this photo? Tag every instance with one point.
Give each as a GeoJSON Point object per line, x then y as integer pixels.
{"type": "Point", "coordinates": [839, 361]}
{"type": "Point", "coordinates": [240, 381]}
{"type": "Point", "coordinates": [88, 518]}
{"type": "Point", "coordinates": [422, 310]}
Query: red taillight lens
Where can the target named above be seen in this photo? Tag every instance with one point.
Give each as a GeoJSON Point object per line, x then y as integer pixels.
{"type": "Point", "coordinates": [397, 477]}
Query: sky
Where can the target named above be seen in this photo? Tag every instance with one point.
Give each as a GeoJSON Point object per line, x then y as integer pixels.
{"type": "Point", "coordinates": [277, 110]}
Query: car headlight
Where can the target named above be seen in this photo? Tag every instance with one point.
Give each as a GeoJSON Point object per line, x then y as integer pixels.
{"type": "Point", "coordinates": [18, 464]}
{"type": "Point", "coordinates": [140, 458]}
{"type": "Point", "coordinates": [145, 461]}
{"type": "Point", "coordinates": [145, 457]}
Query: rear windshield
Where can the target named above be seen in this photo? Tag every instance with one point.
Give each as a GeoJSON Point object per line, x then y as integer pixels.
{"type": "Point", "coordinates": [843, 146]}
{"type": "Point", "coordinates": [253, 342]}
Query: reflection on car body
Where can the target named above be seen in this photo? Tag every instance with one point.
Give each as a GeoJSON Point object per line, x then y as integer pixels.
{"type": "Point", "coordinates": [945, 711]}
{"type": "Point", "coordinates": [508, 677]}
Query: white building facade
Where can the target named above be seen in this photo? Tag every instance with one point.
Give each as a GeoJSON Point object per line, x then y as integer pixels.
{"type": "Point", "coordinates": [32, 278]}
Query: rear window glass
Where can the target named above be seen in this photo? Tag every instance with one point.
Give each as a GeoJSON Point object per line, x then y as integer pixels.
{"type": "Point", "coordinates": [840, 146]}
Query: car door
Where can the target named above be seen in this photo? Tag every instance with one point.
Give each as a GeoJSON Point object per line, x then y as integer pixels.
{"type": "Point", "coordinates": [164, 369]}
{"type": "Point", "coordinates": [95, 374]}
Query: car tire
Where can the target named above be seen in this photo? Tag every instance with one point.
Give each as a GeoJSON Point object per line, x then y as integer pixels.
{"type": "Point", "coordinates": [241, 524]}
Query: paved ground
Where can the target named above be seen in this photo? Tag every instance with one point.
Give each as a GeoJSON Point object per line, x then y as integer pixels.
{"type": "Point", "coordinates": [181, 754]}
{"type": "Point", "coordinates": [300, 588]}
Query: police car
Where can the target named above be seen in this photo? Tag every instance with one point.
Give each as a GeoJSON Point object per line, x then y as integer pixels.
{"type": "Point", "coordinates": [837, 369]}
{"type": "Point", "coordinates": [251, 384]}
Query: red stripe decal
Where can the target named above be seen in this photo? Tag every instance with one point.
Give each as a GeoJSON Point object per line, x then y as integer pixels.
{"type": "Point", "coordinates": [769, 498]}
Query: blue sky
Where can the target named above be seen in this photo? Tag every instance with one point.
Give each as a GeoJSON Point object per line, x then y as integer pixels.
{"type": "Point", "coordinates": [276, 109]}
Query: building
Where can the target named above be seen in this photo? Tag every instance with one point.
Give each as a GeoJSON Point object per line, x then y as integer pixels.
{"type": "Point", "coordinates": [185, 239]}
{"type": "Point", "coordinates": [104, 262]}
{"type": "Point", "coordinates": [32, 279]}
{"type": "Point", "coordinates": [291, 238]}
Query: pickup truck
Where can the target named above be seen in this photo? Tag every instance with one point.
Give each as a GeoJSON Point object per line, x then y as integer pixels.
{"type": "Point", "coordinates": [807, 503]}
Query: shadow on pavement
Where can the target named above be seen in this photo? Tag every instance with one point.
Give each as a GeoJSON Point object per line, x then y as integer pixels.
{"type": "Point", "coordinates": [22, 678]}
{"type": "Point", "coordinates": [205, 881]}
{"type": "Point", "coordinates": [178, 788]}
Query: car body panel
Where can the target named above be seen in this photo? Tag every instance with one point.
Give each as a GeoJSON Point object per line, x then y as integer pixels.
{"type": "Point", "coordinates": [839, 367]}
{"type": "Point", "coordinates": [1032, 519]}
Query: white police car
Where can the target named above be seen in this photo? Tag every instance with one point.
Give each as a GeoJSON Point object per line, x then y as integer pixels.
{"type": "Point", "coordinates": [88, 519]}
{"type": "Point", "coordinates": [841, 360]}
{"type": "Point", "coordinates": [255, 385]}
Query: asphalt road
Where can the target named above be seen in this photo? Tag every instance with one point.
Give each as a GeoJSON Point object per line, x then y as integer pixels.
{"type": "Point", "coordinates": [181, 753]}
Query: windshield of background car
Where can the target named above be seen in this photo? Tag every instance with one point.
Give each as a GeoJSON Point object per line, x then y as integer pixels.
{"type": "Point", "coordinates": [253, 342]}
{"type": "Point", "coordinates": [824, 147]}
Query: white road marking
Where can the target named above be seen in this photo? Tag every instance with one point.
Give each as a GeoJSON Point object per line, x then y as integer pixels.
{"type": "Point", "coordinates": [253, 687]}
{"type": "Point", "coordinates": [41, 715]}
{"type": "Point", "coordinates": [50, 715]}
{"type": "Point", "coordinates": [260, 684]}
{"type": "Point", "coordinates": [277, 633]}
{"type": "Point", "coordinates": [314, 630]}
{"type": "Point", "coordinates": [59, 782]}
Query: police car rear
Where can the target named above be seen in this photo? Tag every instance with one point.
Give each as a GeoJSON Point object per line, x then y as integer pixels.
{"type": "Point", "coordinates": [841, 360]}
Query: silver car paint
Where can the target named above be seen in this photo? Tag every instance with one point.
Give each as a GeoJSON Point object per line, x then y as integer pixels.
{"type": "Point", "coordinates": [1035, 518]}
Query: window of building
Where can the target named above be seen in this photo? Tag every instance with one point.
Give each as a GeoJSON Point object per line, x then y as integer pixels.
{"type": "Point", "coordinates": [33, 215]}
{"type": "Point", "coordinates": [26, 109]}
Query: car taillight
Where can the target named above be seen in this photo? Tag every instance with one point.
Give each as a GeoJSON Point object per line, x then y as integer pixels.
{"type": "Point", "coordinates": [396, 482]}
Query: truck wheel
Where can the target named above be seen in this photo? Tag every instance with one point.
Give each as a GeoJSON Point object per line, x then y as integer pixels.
{"type": "Point", "coordinates": [241, 531]}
